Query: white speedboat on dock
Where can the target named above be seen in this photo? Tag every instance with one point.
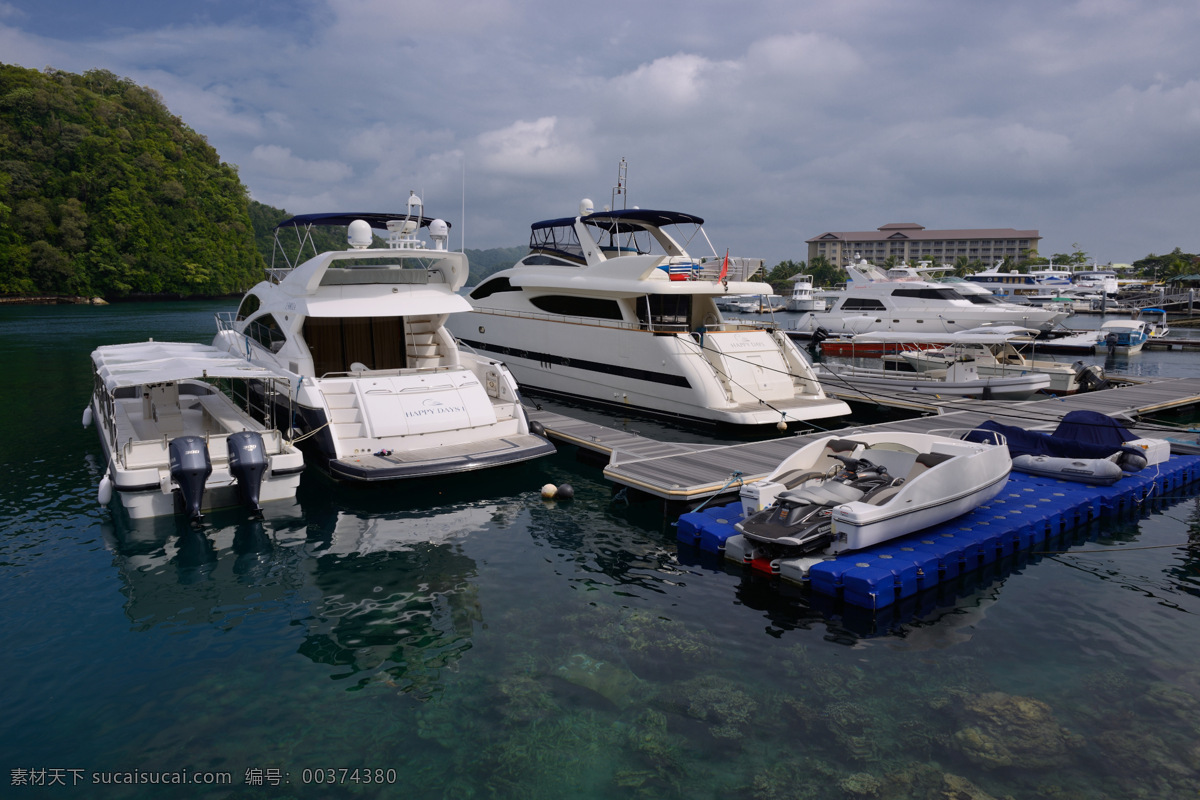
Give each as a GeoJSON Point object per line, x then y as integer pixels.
{"type": "Point", "coordinates": [844, 493]}
{"type": "Point", "coordinates": [381, 390]}
{"type": "Point", "coordinates": [609, 307]}
{"type": "Point", "coordinates": [175, 442]}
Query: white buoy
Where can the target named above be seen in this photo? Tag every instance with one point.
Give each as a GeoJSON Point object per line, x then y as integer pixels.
{"type": "Point", "coordinates": [781, 425]}
{"type": "Point", "coordinates": [87, 417]}
{"type": "Point", "coordinates": [549, 490]}
{"type": "Point", "coordinates": [104, 492]}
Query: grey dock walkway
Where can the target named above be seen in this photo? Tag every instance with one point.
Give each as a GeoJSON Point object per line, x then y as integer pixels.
{"type": "Point", "coordinates": [691, 473]}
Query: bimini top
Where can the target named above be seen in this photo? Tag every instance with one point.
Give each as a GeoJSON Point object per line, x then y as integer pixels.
{"type": "Point", "coordinates": [643, 215]}
{"type": "Point", "coordinates": [139, 363]}
{"type": "Point", "coordinates": [373, 218]}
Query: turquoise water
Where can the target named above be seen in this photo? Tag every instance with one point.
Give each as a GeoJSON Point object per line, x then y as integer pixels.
{"type": "Point", "coordinates": [466, 639]}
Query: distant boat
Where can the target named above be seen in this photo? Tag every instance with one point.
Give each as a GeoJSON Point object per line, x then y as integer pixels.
{"type": "Point", "coordinates": [802, 297]}
{"type": "Point", "coordinates": [1123, 336]}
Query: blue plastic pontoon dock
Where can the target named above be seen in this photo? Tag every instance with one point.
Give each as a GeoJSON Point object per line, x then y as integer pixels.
{"type": "Point", "coordinates": [1028, 511]}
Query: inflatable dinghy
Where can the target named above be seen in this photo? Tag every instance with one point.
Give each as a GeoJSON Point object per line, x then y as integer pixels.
{"type": "Point", "coordinates": [1086, 447]}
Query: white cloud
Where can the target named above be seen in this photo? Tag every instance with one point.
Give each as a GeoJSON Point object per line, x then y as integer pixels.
{"type": "Point", "coordinates": [531, 149]}
{"type": "Point", "coordinates": [274, 161]}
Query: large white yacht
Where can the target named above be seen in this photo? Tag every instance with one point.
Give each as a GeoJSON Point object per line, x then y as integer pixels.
{"type": "Point", "coordinates": [609, 307]}
{"type": "Point", "coordinates": [381, 390]}
{"type": "Point", "coordinates": [901, 299]}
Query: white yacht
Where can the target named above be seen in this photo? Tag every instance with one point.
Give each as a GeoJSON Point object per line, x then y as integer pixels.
{"type": "Point", "coordinates": [802, 297]}
{"type": "Point", "coordinates": [1096, 279]}
{"type": "Point", "coordinates": [1048, 279]}
{"type": "Point", "coordinates": [382, 392]}
{"type": "Point", "coordinates": [175, 441]}
{"type": "Point", "coordinates": [900, 299]}
{"type": "Point", "coordinates": [609, 307]}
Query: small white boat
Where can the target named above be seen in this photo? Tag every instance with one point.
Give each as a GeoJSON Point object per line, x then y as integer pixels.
{"type": "Point", "coordinates": [1123, 336]}
{"type": "Point", "coordinates": [960, 379]}
{"type": "Point", "coordinates": [1161, 328]}
{"type": "Point", "coordinates": [173, 441]}
{"type": "Point", "coordinates": [994, 354]}
{"type": "Point", "coordinates": [802, 297]}
{"type": "Point", "coordinates": [842, 493]}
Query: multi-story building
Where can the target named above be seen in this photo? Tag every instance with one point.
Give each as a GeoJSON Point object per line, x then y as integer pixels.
{"type": "Point", "coordinates": [907, 240]}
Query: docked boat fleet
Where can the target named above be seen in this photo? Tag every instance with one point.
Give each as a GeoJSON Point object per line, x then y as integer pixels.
{"type": "Point", "coordinates": [368, 364]}
{"type": "Point", "coordinates": [352, 356]}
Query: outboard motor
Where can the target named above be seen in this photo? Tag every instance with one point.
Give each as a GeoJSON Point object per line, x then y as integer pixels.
{"type": "Point", "coordinates": [190, 468]}
{"type": "Point", "coordinates": [247, 463]}
{"type": "Point", "coordinates": [819, 335]}
{"type": "Point", "coordinates": [1090, 378]}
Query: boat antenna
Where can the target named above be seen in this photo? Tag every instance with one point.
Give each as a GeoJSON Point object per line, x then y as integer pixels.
{"type": "Point", "coordinates": [621, 189]}
{"type": "Point", "coordinates": [463, 218]}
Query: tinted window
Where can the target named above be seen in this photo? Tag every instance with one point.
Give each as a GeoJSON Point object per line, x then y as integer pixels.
{"type": "Point", "coordinates": [267, 332]}
{"type": "Point", "coordinates": [862, 304]}
{"type": "Point", "coordinates": [578, 306]}
{"type": "Point", "coordinates": [489, 288]}
{"type": "Point", "coordinates": [249, 305]}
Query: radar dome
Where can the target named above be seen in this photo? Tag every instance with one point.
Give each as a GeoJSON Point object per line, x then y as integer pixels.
{"type": "Point", "coordinates": [585, 207]}
{"type": "Point", "coordinates": [439, 231]}
{"type": "Point", "coordinates": [358, 234]}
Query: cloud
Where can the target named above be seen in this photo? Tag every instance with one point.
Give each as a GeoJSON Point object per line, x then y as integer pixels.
{"type": "Point", "coordinates": [531, 149]}
{"type": "Point", "coordinates": [274, 161]}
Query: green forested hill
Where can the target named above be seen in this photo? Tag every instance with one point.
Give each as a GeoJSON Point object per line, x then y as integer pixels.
{"type": "Point", "coordinates": [104, 192]}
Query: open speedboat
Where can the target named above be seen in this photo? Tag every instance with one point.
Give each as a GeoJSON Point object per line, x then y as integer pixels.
{"type": "Point", "coordinates": [609, 307]}
{"type": "Point", "coordinates": [381, 389]}
{"type": "Point", "coordinates": [843, 493]}
{"type": "Point", "coordinates": [175, 441]}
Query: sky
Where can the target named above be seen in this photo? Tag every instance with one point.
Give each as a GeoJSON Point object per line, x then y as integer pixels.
{"type": "Point", "coordinates": [775, 121]}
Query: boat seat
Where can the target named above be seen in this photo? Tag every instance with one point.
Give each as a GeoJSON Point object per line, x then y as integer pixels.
{"type": "Point", "coordinates": [823, 493]}
{"type": "Point", "coordinates": [819, 468]}
{"type": "Point", "coordinates": [883, 495]}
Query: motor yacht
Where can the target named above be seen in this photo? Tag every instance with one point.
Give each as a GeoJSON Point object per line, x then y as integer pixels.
{"type": "Point", "coordinates": [381, 389]}
{"type": "Point", "coordinates": [609, 307]}
{"type": "Point", "coordinates": [181, 432]}
{"type": "Point", "coordinates": [901, 299]}
{"type": "Point", "coordinates": [1048, 279]}
{"type": "Point", "coordinates": [802, 297]}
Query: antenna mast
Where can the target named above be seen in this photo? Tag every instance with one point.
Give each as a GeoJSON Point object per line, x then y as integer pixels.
{"type": "Point", "coordinates": [621, 190]}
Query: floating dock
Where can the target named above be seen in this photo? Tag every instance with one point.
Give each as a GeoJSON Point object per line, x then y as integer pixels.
{"type": "Point", "coordinates": [1029, 512]}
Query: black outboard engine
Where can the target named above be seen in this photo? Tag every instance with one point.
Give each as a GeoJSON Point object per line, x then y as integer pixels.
{"type": "Point", "coordinates": [819, 335]}
{"type": "Point", "coordinates": [247, 463]}
{"type": "Point", "coordinates": [190, 468]}
{"type": "Point", "coordinates": [1090, 378]}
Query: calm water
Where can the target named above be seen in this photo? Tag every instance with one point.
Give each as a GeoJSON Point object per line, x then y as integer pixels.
{"type": "Point", "coordinates": [466, 639]}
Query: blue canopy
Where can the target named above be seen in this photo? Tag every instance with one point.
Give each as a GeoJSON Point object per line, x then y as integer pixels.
{"type": "Point", "coordinates": [658, 218]}
{"type": "Point", "coordinates": [374, 219]}
{"type": "Point", "coordinates": [1080, 434]}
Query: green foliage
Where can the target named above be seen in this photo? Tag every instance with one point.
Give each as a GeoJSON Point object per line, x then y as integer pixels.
{"type": "Point", "coordinates": [104, 192]}
{"type": "Point", "coordinates": [1175, 264]}
{"type": "Point", "coordinates": [485, 262]}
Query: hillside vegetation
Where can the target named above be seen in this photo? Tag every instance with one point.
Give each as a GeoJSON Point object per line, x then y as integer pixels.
{"type": "Point", "coordinates": [104, 192]}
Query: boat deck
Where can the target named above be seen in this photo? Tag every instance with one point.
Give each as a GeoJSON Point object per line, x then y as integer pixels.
{"type": "Point", "coordinates": [694, 473]}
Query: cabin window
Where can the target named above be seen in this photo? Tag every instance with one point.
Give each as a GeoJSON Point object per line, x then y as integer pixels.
{"type": "Point", "coordinates": [337, 342]}
{"type": "Point", "coordinates": [569, 306]}
{"type": "Point", "coordinates": [267, 331]}
{"type": "Point", "coordinates": [248, 307]}
{"type": "Point", "coordinates": [489, 288]}
{"type": "Point", "coordinates": [661, 310]}
{"type": "Point", "coordinates": [928, 294]}
{"type": "Point", "coordinates": [862, 304]}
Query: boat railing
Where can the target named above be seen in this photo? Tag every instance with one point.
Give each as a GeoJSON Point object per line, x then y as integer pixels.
{"type": "Point", "coordinates": [988, 436]}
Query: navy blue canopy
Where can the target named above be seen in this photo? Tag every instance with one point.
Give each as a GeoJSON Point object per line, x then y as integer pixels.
{"type": "Point", "coordinates": [373, 218]}
{"type": "Point", "coordinates": [1081, 434]}
{"type": "Point", "coordinates": [659, 218]}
